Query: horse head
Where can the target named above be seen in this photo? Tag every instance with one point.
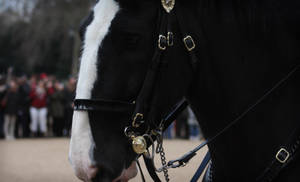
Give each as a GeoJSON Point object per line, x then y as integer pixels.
{"type": "Point", "coordinates": [138, 61]}
{"type": "Point", "coordinates": [123, 43]}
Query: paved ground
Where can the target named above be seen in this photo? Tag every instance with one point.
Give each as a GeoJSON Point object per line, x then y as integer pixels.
{"type": "Point", "coordinates": [46, 160]}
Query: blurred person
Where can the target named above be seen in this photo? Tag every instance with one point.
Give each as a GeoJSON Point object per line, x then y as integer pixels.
{"type": "Point", "coordinates": [69, 94]}
{"type": "Point", "coordinates": [182, 127]}
{"type": "Point", "coordinates": [23, 118]}
{"type": "Point", "coordinates": [11, 100]}
{"type": "Point", "coordinates": [194, 128]}
{"type": "Point", "coordinates": [50, 86]}
{"type": "Point", "coordinates": [38, 109]}
{"type": "Point", "coordinates": [9, 75]}
{"type": "Point", "coordinates": [3, 89]}
{"type": "Point", "coordinates": [49, 80]}
{"type": "Point", "coordinates": [56, 108]}
{"type": "Point", "coordinates": [44, 77]}
{"type": "Point", "coordinates": [33, 81]}
{"type": "Point", "coordinates": [169, 132]}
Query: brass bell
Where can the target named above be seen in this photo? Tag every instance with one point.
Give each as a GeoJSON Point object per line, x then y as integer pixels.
{"type": "Point", "coordinates": [139, 144]}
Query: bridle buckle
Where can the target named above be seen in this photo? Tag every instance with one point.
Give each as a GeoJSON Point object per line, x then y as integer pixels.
{"type": "Point", "coordinates": [170, 39]}
{"type": "Point", "coordinates": [162, 42]}
{"type": "Point", "coordinates": [282, 155]}
{"type": "Point", "coordinates": [137, 117]}
{"type": "Point", "coordinates": [189, 43]}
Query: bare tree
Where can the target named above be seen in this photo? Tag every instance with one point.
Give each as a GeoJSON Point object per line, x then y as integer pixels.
{"type": "Point", "coordinates": [45, 41]}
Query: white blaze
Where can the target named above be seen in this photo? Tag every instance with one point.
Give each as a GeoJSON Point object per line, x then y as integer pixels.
{"type": "Point", "coordinates": [81, 139]}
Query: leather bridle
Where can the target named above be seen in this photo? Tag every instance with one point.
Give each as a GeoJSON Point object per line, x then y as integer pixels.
{"type": "Point", "coordinates": [141, 107]}
{"type": "Point", "coordinates": [143, 134]}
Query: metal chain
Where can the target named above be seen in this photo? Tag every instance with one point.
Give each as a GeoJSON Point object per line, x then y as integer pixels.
{"type": "Point", "coordinates": [162, 154]}
{"type": "Point", "coordinates": [164, 162]}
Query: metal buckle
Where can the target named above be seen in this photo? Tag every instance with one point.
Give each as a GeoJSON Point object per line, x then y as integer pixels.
{"type": "Point", "coordinates": [168, 5]}
{"type": "Point", "coordinates": [282, 155]}
{"type": "Point", "coordinates": [162, 42]}
{"type": "Point", "coordinates": [189, 43]}
{"type": "Point", "coordinates": [137, 116]}
{"type": "Point", "coordinates": [170, 39]}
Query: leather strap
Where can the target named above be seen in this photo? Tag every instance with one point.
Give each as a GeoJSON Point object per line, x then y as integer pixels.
{"type": "Point", "coordinates": [147, 91]}
{"type": "Point", "coordinates": [141, 171]}
{"type": "Point", "coordinates": [201, 168]}
{"type": "Point", "coordinates": [187, 157]}
{"type": "Point", "coordinates": [143, 99]}
{"type": "Point", "coordinates": [180, 162]}
{"type": "Point", "coordinates": [188, 40]}
{"type": "Point", "coordinates": [283, 156]}
{"type": "Point", "coordinates": [151, 169]}
{"type": "Point", "coordinates": [190, 45]}
{"type": "Point", "coordinates": [167, 122]}
{"type": "Point", "coordinates": [103, 105]}
{"type": "Point", "coordinates": [169, 119]}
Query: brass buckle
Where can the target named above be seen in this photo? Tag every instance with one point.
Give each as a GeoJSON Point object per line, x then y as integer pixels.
{"type": "Point", "coordinates": [170, 39]}
{"type": "Point", "coordinates": [168, 5]}
{"type": "Point", "coordinates": [138, 115]}
{"type": "Point", "coordinates": [160, 39]}
{"type": "Point", "coordinates": [282, 152]}
{"type": "Point", "coordinates": [189, 47]}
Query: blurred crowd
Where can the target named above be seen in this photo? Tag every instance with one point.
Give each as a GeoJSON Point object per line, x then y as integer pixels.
{"type": "Point", "coordinates": [42, 106]}
{"type": "Point", "coordinates": [39, 106]}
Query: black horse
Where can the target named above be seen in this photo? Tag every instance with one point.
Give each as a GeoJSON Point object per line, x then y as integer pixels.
{"type": "Point", "coordinates": [237, 67]}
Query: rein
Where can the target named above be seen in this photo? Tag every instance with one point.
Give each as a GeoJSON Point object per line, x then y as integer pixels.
{"type": "Point", "coordinates": [142, 134]}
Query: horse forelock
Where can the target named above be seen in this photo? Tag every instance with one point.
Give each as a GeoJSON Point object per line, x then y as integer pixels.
{"type": "Point", "coordinates": [81, 140]}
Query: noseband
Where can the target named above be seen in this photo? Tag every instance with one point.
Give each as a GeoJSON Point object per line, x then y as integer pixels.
{"type": "Point", "coordinates": [143, 133]}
